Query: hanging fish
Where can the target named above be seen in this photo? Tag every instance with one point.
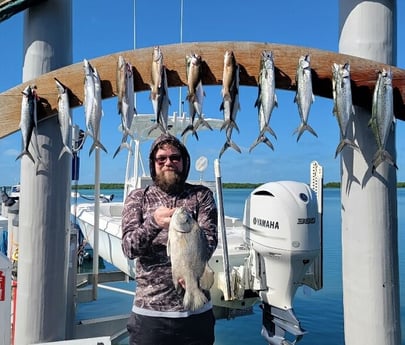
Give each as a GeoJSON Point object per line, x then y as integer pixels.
{"type": "Point", "coordinates": [28, 122]}
{"type": "Point", "coordinates": [126, 101]}
{"type": "Point", "coordinates": [304, 96]}
{"type": "Point", "coordinates": [92, 105]}
{"type": "Point", "coordinates": [64, 118]}
{"type": "Point", "coordinates": [266, 100]}
{"type": "Point", "coordinates": [342, 103]}
{"type": "Point", "coordinates": [162, 106]}
{"type": "Point", "coordinates": [195, 96]}
{"type": "Point", "coordinates": [230, 99]}
{"type": "Point", "coordinates": [156, 72]}
{"type": "Point", "coordinates": [382, 120]}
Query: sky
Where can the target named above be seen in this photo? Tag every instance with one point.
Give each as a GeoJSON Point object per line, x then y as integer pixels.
{"type": "Point", "coordinates": [106, 29]}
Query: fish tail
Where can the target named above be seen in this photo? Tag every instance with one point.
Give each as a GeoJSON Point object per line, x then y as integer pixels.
{"type": "Point", "coordinates": [382, 156]}
{"type": "Point", "coordinates": [194, 299]}
{"type": "Point", "coordinates": [97, 143]}
{"type": "Point", "coordinates": [302, 128]}
{"type": "Point", "coordinates": [201, 122]}
{"type": "Point", "coordinates": [346, 142]}
{"type": "Point", "coordinates": [229, 143]}
{"type": "Point", "coordinates": [270, 130]}
{"type": "Point", "coordinates": [192, 129]}
{"type": "Point", "coordinates": [261, 139]}
{"type": "Point", "coordinates": [123, 145]}
{"type": "Point", "coordinates": [65, 149]}
{"type": "Point", "coordinates": [26, 153]}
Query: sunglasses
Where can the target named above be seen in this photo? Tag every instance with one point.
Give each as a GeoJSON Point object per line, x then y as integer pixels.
{"type": "Point", "coordinates": [174, 158]}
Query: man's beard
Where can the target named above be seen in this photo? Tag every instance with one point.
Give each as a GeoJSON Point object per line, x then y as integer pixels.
{"type": "Point", "coordinates": [170, 182]}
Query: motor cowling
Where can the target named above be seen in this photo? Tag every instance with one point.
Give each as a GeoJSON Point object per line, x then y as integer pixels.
{"type": "Point", "coordinates": [282, 227]}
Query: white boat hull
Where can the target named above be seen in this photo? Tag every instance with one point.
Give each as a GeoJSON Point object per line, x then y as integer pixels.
{"type": "Point", "coordinates": [110, 248]}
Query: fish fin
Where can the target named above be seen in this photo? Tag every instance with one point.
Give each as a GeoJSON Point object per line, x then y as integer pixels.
{"type": "Point", "coordinates": [25, 153]}
{"type": "Point", "coordinates": [270, 130]}
{"type": "Point", "coordinates": [304, 127]}
{"type": "Point", "coordinates": [191, 128]}
{"type": "Point", "coordinates": [65, 149]}
{"type": "Point", "coordinates": [261, 139]}
{"type": "Point", "coordinates": [123, 145]}
{"type": "Point", "coordinates": [346, 142]}
{"type": "Point", "coordinates": [207, 279]}
{"type": "Point", "coordinates": [201, 122]}
{"type": "Point", "coordinates": [193, 298]}
{"type": "Point", "coordinates": [97, 143]}
{"type": "Point", "coordinates": [275, 100]}
{"type": "Point", "coordinates": [381, 156]}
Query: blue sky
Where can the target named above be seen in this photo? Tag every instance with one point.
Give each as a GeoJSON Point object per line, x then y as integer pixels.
{"type": "Point", "coordinates": [104, 29]}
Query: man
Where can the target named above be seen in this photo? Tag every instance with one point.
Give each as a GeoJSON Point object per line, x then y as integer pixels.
{"type": "Point", "coordinates": [158, 316]}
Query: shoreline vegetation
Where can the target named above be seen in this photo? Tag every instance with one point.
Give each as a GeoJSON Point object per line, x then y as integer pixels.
{"type": "Point", "coordinates": [231, 185]}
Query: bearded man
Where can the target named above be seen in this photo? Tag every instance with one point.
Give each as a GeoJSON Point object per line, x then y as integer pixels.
{"type": "Point", "coordinates": [158, 315]}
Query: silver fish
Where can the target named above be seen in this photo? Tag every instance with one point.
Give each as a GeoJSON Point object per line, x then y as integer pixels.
{"type": "Point", "coordinates": [64, 118]}
{"type": "Point", "coordinates": [382, 120]}
{"type": "Point", "coordinates": [126, 101]}
{"type": "Point", "coordinates": [120, 82]}
{"type": "Point", "coordinates": [156, 73]}
{"type": "Point", "coordinates": [92, 105]}
{"type": "Point", "coordinates": [187, 249]}
{"type": "Point", "coordinates": [230, 99]}
{"type": "Point", "coordinates": [304, 96]}
{"type": "Point", "coordinates": [343, 106]}
{"type": "Point", "coordinates": [195, 96]}
{"type": "Point", "coordinates": [28, 121]}
{"type": "Point", "coordinates": [161, 105]}
{"type": "Point", "coordinates": [266, 100]}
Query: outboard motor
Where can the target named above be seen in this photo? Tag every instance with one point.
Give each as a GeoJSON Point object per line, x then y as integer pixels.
{"type": "Point", "coordinates": [283, 228]}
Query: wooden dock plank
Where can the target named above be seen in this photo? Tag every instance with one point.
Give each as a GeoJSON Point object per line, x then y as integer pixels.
{"type": "Point", "coordinates": [363, 75]}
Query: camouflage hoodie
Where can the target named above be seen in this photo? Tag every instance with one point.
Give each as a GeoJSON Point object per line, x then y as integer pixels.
{"type": "Point", "coordinates": [143, 240]}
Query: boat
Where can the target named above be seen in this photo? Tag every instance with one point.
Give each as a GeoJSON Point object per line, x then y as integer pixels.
{"type": "Point", "coordinates": [251, 266]}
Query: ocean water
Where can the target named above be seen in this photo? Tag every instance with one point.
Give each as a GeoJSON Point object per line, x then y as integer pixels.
{"type": "Point", "coordinates": [320, 312]}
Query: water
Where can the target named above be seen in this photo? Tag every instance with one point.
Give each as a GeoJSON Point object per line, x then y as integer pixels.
{"type": "Point", "coordinates": [320, 312]}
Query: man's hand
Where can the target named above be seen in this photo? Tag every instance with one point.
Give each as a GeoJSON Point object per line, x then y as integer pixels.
{"type": "Point", "coordinates": [162, 216]}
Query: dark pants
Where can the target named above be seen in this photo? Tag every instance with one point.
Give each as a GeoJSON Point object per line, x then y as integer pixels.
{"type": "Point", "coordinates": [193, 330]}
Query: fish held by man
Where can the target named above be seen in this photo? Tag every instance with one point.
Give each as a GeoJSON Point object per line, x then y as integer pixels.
{"type": "Point", "coordinates": [266, 100]}
{"type": "Point", "coordinates": [195, 96]}
{"type": "Point", "coordinates": [28, 122]}
{"type": "Point", "coordinates": [126, 101]}
{"type": "Point", "coordinates": [304, 96]}
{"type": "Point", "coordinates": [343, 107]}
{"type": "Point", "coordinates": [230, 99]}
{"type": "Point", "coordinates": [382, 120]}
{"type": "Point", "coordinates": [92, 105]}
{"type": "Point", "coordinates": [64, 118]}
{"type": "Point", "coordinates": [187, 249]}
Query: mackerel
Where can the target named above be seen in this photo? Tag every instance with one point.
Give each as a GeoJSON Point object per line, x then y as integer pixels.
{"type": "Point", "coordinates": [64, 118]}
{"type": "Point", "coordinates": [266, 100]}
{"type": "Point", "coordinates": [159, 91]}
{"type": "Point", "coordinates": [382, 120]}
{"type": "Point", "coordinates": [343, 107]}
{"type": "Point", "coordinates": [304, 96]}
{"type": "Point", "coordinates": [230, 99]}
{"type": "Point", "coordinates": [126, 101]}
{"type": "Point", "coordinates": [28, 121]}
{"type": "Point", "coordinates": [195, 96]}
{"type": "Point", "coordinates": [92, 105]}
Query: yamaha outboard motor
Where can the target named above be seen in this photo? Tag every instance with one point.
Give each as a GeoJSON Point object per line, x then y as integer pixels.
{"type": "Point", "coordinates": [283, 228]}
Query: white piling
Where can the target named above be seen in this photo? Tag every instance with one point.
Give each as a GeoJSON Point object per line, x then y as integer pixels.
{"type": "Point", "coordinates": [369, 201]}
{"type": "Point", "coordinates": [45, 191]}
